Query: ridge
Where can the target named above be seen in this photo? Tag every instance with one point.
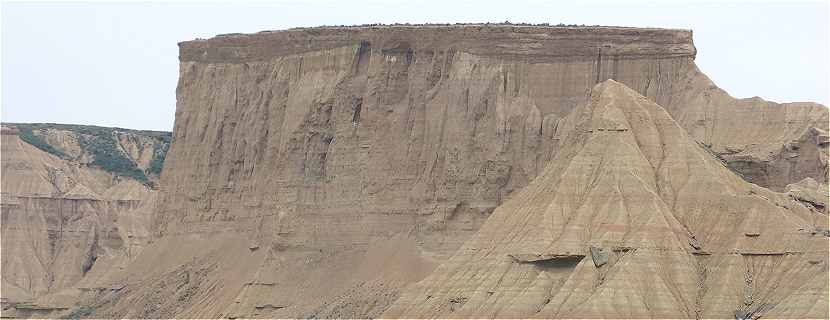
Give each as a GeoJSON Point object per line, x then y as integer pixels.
{"type": "Point", "coordinates": [623, 216]}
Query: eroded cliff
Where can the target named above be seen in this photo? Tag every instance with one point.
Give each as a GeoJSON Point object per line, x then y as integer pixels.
{"type": "Point", "coordinates": [65, 224]}
{"type": "Point", "coordinates": [319, 172]}
{"type": "Point", "coordinates": [633, 219]}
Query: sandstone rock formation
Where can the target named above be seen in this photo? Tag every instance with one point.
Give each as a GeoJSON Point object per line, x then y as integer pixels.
{"type": "Point", "coordinates": [633, 219]}
{"type": "Point", "coordinates": [64, 224]}
{"type": "Point", "coordinates": [323, 172]}
{"type": "Point", "coordinates": [526, 77]}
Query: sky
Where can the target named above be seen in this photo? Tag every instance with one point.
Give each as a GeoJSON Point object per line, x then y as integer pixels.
{"type": "Point", "coordinates": [116, 63]}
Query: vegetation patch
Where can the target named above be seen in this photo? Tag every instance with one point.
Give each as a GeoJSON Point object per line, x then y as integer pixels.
{"type": "Point", "coordinates": [108, 156]}
{"type": "Point", "coordinates": [81, 312]}
{"type": "Point", "coordinates": [28, 135]}
{"type": "Point", "coordinates": [159, 154]}
{"type": "Point", "coordinates": [103, 145]}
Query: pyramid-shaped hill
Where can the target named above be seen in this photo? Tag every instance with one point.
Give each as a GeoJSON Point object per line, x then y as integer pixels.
{"type": "Point", "coordinates": [633, 219]}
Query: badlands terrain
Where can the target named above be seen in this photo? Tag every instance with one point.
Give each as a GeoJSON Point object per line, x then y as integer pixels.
{"type": "Point", "coordinates": [450, 171]}
{"type": "Point", "coordinates": [76, 206]}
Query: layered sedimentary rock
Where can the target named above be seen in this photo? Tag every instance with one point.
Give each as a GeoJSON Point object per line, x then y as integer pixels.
{"type": "Point", "coordinates": [64, 226]}
{"type": "Point", "coordinates": [633, 219]}
{"type": "Point", "coordinates": [319, 172]}
{"type": "Point", "coordinates": [528, 70]}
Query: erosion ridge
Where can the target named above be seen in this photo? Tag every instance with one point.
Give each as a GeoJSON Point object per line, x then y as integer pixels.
{"type": "Point", "coordinates": [65, 224]}
{"type": "Point", "coordinates": [317, 146]}
{"type": "Point", "coordinates": [633, 219]}
{"type": "Point", "coordinates": [323, 172]}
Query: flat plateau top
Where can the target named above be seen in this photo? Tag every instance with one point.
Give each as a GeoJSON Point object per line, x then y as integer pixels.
{"type": "Point", "coordinates": [427, 27]}
{"type": "Point", "coordinates": [504, 40]}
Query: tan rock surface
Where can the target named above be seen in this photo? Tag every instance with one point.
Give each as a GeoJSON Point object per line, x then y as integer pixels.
{"type": "Point", "coordinates": [684, 236]}
{"type": "Point", "coordinates": [63, 227]}
{"type": "Point", "coordinates": [551, 69]}
{"type": "Point", "coordinates": [298, 152]}
{"type": "Point", "coordinates": [319, 172]}
{"type": "Point", "coordinates": [811, 193]}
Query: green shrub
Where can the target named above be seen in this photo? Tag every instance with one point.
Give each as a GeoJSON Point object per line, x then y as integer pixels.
{"type": "Point", "coordinates": [102, 144]}
{"type": "Point", "coordinates": [159, 154]}
{"type": "Point", "coordinates": [107, 156]}
{"type": "Point", "coordinates": [27, 134]}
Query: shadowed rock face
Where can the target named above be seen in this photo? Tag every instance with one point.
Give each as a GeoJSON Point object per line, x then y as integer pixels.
{"type": "Point", "coordinates": [677, 235]}
{"type": "Point", "coordinates": [318, 172]}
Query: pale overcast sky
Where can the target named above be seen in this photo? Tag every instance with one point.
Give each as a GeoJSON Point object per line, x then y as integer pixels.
{"type": "Point", "coordinates": [116, 64]}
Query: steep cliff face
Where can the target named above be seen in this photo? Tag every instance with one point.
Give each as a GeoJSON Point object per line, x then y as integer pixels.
{"type": "Point", "coordinates": [64, 225]}
{"type": "Point", "coordinates": [634, 219]}
{"type": "Point", "coordinates": [300, 155]}
{"type": "Point", "coordinates": [552, 69]}
{"type": "Point", "coordinates": [396, 119]}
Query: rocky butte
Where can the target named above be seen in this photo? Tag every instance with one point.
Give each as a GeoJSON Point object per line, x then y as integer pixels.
{"type": "Point", "coordinates": [470, 171]}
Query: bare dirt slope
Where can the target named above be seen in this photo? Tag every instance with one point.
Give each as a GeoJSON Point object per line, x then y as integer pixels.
{"type": "Point", "coordinates": [634, 219]}
{"type": "Point", "coordinates": [64, 226]}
